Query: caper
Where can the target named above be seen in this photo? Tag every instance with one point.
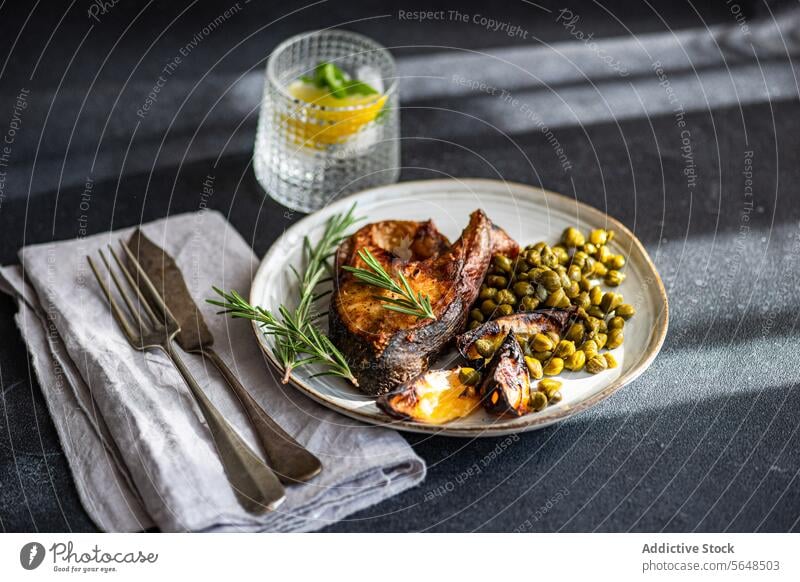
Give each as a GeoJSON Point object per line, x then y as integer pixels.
{"type": "Point", "coordinates": [550, 280]}
{"type": "Point", "coordinates": [521, 266]}
{"type": "Point", "coordinates": [505, 309]}
{"type": "Point", "coordinates": [506, 296]}
{"type": "Point", "coordinates": [575, 332]}
{"type": "Point", "coordinates": [625, 311]}
{"type": "Point", "coordinates": [554, 297]}
{"type": "Point", "coordinates": [488, 307]}
{"type": "Point", "coordinates": [572, 237]}
{"type": "Point", "coordinates": [586, 284]}
{"type": "Point", "coordinates": [595, 311]}
{"type": "Point", "coordinates": [615, 338]}
{"type": "Point", "coordinates": [572, 290]}
{"type": "Point", "coordinates": [487, 293]}
{"type": "Point", "coordinates": [535, 274]}
{"type": "Point", "coordinates": [541, 293]}
{"type": "Point", "coordinates": [614, 278]}
{"type": "Point", "coordinates": [593, 324]}
{"type": "Point", "coordinates": [616, 323]}
{"type": "Point", "coordinates": [589, 266]}
{"type": "Point", "coordinates": [497, 281]}
{"type": "Point", "coordinates": [503, 263]}
{"type": "Point", "coordinates": [561, 254]}
{"type": "Point", "coordinates": [540, 246]}
{"type": "Point", "coordinates": [558, 299]}
{"type": "Point", "coordinates": [596, 295]}
{"type": "Point", "coordinates": [555, 398]}
{"type": "Point", "coordinates": [596, 365]}
{"type": "Point", "coordinates": [582, 300]}
{"type": "Point", "coordinates": [553, 336]}
{"type": "Point", "coordinates": [477, 315]}
{"type": "Point", "coordinates": [474, 325]}
{"type": "Point", "coordinates": [576, 361]}
{"type": "Point", "coordinates": [543, 356]}
{"type": "Point", "coordinates": [603, 254]}
{"type": "Point", "coordinates": [533, 257]}
{"type": "Point", "coordinates": [485, 348]}
{"type": "Point", "coordinates": [579, 259]}
{"type": "Point", "coordinates": [469, 376]}
{"type": "Point", "coordinates": [617, 262]}
{"type": "Point", "coordinates": [554, 367]}
{"type": "Point", "coordinates": [600, 339]}
{"type": "Point", "coordinates": [529, 303]}
{"type": "Point", "coordinates": [589, 347]}
{"type": "Point", "coordinates": [564, 349]}
{"type": "Point", "coordinates": [611, 361]}
{"type": "Point", "coordinates": [589, 248]}
{"type": "Point", "coordinates": [542, 343]}
{"type": "Point", "coordinates": [534, 367]}
{"type": "Point", "coordinates": [600, 270]}
{"type": "Point", "coordinates": [610, 301]}
{"type": "Point", "coordinates": [538, 401]}
{"type": "Point", "coordinates": [523, 289]}
{"type": "Point", "coordinates": [611, 234]}
{"type": "Point", "coordinates": [549, 387]}
{"type": "Point", "coordinates": [574, 272]}
{"type": "Point", "coordinates": [598, 236]}
{"type": "Point", "coordinates": [549, 258]}
{"type": "Point", "coordinates": [602, 326]}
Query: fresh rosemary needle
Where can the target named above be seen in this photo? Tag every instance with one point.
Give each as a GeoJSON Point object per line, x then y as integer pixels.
{"type": "Point", "coordinates": [409, 303]}
{"type": "Point", "coordinates": [297, 340]}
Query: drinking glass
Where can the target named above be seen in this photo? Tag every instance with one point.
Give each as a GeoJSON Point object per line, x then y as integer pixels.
{"type": "Point", "coordinates": [307, 154]}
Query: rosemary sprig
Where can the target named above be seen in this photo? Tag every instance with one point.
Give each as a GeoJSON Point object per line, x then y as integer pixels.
{"type": "Point", "coordinates": [297, 341]}
{"type": "Point", "coordinates": [300, 339]}
{"type": "Point", "coordinates": [409, 303]}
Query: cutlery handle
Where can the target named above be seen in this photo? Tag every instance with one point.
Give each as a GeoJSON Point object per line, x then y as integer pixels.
{"type": "Point", "coordinates": [255, 484]}
{"type": "Point", "coordinates": [290, 460]}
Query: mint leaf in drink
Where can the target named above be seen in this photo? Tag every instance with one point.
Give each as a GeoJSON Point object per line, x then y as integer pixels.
{"type": "Point", "coordinates": [329, 76]}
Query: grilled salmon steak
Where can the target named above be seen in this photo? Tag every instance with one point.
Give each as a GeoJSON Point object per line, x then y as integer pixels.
{"type": "Point", "coordinates": [386, 348]}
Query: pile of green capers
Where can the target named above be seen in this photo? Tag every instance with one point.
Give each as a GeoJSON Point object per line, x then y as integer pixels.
{"type": "Point", "coordinates": [570, 273]}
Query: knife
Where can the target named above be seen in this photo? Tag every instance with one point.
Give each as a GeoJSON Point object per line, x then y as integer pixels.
{"type": "Point", "coordinates": [291, 461]}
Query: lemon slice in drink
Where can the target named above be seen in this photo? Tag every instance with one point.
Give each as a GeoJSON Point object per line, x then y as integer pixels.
{"type": "Point", "coordinates": [322, 119]}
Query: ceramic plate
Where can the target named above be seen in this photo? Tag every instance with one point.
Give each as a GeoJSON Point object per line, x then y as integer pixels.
{"type": "Point", "coordinates": [529, 215]}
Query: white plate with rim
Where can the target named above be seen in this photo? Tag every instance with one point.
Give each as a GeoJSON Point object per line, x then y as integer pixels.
{"type": "Point", "coordinates": [528, 215]}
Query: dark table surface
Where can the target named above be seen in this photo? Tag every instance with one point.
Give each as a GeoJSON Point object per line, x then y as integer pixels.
{"type": "Point", "coordinates": [707, 439]}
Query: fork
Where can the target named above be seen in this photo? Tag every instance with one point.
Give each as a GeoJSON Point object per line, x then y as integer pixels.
{"type": "Point", "coordinates": [255, 484]}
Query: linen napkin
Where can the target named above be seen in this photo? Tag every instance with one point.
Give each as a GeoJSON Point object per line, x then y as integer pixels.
{"type": "Point", "coordinates": [134, 438]}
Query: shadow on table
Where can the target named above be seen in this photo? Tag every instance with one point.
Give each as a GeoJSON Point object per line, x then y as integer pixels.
{"type": "Point", "coordinates": [731, 467]}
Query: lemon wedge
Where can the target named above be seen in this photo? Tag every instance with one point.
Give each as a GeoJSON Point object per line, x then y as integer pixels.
{"type": "Point", "coordinates": [322, 119]}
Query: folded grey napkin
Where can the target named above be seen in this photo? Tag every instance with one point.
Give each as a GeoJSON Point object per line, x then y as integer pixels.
{"type": "Point", "coordinates": [134, 438]}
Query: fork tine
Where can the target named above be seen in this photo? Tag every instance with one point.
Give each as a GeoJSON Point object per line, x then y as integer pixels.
{"type": "Point", "coordinates": [116, 311]}
{"type": "Point", "coordinates": [152, 292]}
{"type": "Point", "coordinates": [154, 318]}
{"type": "Point", "coordinates": [135, 312]}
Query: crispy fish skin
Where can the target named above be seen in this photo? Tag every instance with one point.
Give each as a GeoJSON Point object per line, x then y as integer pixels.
{"type": "Point", "coordinates": [384, 348]}
{"type": "Point", "coordinates": [526, 323]}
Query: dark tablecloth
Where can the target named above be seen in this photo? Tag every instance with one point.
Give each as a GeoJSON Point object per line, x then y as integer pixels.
{"type": "Point", "coordinates": [685, 133]}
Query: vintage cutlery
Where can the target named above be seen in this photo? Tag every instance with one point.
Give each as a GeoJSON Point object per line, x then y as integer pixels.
{"type": "Point", "coordinates": [256, 485]}
{"type": "Point", "coordinates": [288, 458]}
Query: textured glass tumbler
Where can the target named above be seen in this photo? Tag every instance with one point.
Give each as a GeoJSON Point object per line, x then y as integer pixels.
{"type": "Point", "coordinates": [306, 155]}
